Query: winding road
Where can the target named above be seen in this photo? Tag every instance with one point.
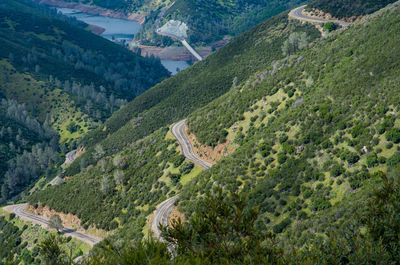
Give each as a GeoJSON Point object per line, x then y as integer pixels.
{"type": "Point", "coordinates": [178, 130]}
{"type": "Point", "coordinates": [164, 209]}
{"type": "Point", "coordinates": [19, 210]}
{"type": "Point", "coordinates": [161, 215]}
{"type": "Point", "coordinates": [298, 14]}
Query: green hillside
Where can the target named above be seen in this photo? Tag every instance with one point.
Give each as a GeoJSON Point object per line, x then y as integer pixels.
{"type": "Point", "coordinates": [210, 21]}
{"type": "Point", "coordinates": [348, 8]}
{"type": "Point", "coordinates": [150, 165]}
{"type": "Point", "coordinates": [98, 75]}
{"type": "Point", "coordinates": [183, 93]}
{"type": "Point", "coordinates": [57, 82]}
{"type": "Point", "coordinates": [315, 173]}
{"type": "Point", "coordinates": [313, 135]}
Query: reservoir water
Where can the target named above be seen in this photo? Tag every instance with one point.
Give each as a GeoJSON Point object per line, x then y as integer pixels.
{"type": "Point", "coordinates": [120, 31]}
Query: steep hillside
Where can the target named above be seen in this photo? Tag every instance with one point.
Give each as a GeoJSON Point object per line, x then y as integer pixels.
{"type": "Point", "coordinates": [28, 149]}
{"type": "Point", "coordinates": [96, 74]}
{"type": "Point", "coordinates": [315, 128]}
{"type": "Point", "coordinates": [312, 132]}
{"type": "Point", "coordinates": [176, 97]}
{"type": "Point", "coordinates": [152, 168]}
{"type": "Point", "coordinates": [348, 8]}
{"type": "Point", "coordinates": [57, 82]}
{"type": "Point", "coordinates": [210, 21]}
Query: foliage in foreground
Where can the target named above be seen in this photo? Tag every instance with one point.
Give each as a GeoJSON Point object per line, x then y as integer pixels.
{"type": "Point", "coordinates": [224, 233]}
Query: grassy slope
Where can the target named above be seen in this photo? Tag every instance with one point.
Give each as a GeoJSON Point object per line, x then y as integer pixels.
{"type": "Point", "coordinates": [305, 165]}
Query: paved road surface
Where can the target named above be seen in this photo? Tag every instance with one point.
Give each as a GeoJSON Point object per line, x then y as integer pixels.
{"type": "Point", "coordinates": [19, 210]}
{"type": "Point", "coordinates": [297, 13]}
{"type": "Point", "coordinates": [70, 157]}
{"type": "Point", "coordinates": [164, 209]}
{"type": "Point", "coordinates": [161, 215]}
{"type": "Point", "coordinates": [178, 130]}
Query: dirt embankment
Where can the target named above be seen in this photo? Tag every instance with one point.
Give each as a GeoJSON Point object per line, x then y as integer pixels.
{"type": "Point", "coordinates": [69, 220]}
{"type": "Point", "coordinates": [95, 10]}
{"type": "Point", "coordinates": [207, 153]}
{"type": "Point", "coordinates": [321, 14]}
{"type": "Point", "coordinates": [175, 214]}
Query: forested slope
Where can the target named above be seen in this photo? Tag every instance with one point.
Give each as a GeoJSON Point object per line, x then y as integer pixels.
{"type": "Point", "coordinates": [57, 81]}
{"type": "Point", "coordinates": [152, 168]}
{"type": "Point", "coordinates": [210, 21]}
{"type": "Point", "coordinates": [89, 68]}
{"type": "Point", "coordinates": [348, 8]}
{"type": "Point", "coordinates": [181, 94]}
{"type": "Point", "coordinates": [313, 135]}
{"type": "Point", "coordinates": [315, 124]}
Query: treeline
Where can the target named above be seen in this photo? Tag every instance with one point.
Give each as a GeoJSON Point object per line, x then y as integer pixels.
{"type": "Point", "coordinates": [125, 78]}
{"type": "Point", "coordinates": [348, 8]}
{"type": "Point", "coordinates": [93, 101]}
{"type": "Point", "coordinates": [19, 113]}
{"type": "Point", "coordinates": [27, 149]}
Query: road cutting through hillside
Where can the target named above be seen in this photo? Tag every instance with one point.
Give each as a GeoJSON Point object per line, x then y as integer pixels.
{"type": "Point", "coordinates": [165, 208]}
{"type": "Point", "coordinates": [298, 14]}
{"type": "Point", "coordinates": [19, 210]}
{"type": "Point", "coordinates": [178, 130]}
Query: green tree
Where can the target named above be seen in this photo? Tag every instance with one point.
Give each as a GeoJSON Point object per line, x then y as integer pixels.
{"type": "Point", "coordinates": [383, 217]}
{"type": "Point", "coordinates": [56, 222]}
{"type": "Point", "coordinates": [222, 229]}
{"type": "Point", "coordinates": [51, 251]}
{"type": "Point", "coordinates": [393, 135]}
{"type": "Point", "coordinates": [329, 26]}
{"type": "Point", "coordinates": [296, 41]}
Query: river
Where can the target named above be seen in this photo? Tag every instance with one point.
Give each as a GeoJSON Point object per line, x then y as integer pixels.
{"type": "Point", "coordinates": [120, 31]}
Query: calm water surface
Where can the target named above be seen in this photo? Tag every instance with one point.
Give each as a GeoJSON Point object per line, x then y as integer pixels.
{"type": "Point", "coordinates": [119, 30]}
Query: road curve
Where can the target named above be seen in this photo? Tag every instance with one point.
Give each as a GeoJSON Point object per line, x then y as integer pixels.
{"type": "Point", "coordinates": [178, 130]}
{"type": "Point", "coordinates": [164, 209]}
{"type": "Point", "coordinates": [19, 210]}
{"type": "Point", "coordinates": [161, 215]}
{"type": "Point", "coordinates": [297, 13]}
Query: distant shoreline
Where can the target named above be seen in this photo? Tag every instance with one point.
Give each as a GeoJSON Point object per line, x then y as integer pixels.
{"type": "Point", "coordinates": [95, 10]}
